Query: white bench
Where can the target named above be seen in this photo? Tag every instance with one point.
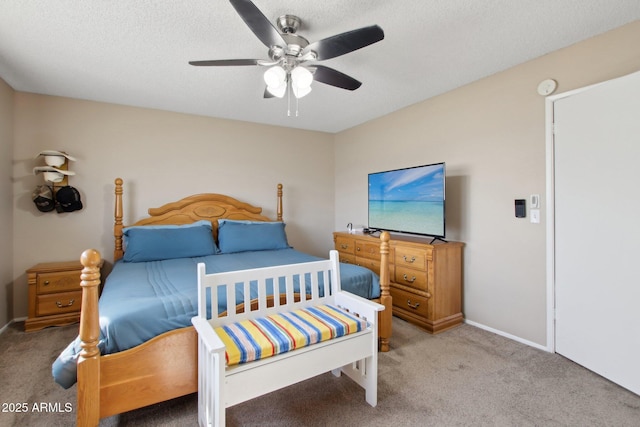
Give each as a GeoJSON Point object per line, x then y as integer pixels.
{"type": "Point", "coordinates": [221, 386]}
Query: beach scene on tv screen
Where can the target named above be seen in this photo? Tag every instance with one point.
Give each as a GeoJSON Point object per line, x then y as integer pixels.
{"type": "Point", "coordinates": [408, 200]}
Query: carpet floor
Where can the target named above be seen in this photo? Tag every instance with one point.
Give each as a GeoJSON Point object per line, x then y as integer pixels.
{"type": "Point", "coordinates": [462, 377]}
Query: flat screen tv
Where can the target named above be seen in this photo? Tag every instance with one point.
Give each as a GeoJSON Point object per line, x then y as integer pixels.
{"type": "Point", "coordinates": [409, 200]}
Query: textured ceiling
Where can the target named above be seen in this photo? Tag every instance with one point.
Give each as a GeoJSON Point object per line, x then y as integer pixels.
{"type": "Point", "coordinates": [136, 52]}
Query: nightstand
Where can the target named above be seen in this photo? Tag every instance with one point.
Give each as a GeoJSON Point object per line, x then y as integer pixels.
{"type": "Point", "coordinates": [55, 295]}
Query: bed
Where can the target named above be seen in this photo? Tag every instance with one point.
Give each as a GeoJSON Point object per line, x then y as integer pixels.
{"type": "Point", "coordinates": [165, 366]}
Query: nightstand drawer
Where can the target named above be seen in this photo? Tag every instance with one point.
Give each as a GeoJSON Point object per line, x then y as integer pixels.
{"type": "Point", "coordinates": [55, 294]}
{"type": "Point", "coordinates": [64, 302]}
{"type": "Point", "coordinates": [48, 283]}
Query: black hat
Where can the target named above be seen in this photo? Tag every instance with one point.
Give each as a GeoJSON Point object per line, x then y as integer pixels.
{"type": "Point", "coordinates": [43, 198]}
{"type": "Point", "coordinates": [68, 199]}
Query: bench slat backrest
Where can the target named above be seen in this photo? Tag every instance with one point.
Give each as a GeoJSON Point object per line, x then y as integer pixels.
{"type": "Point", "coordinates": [296, 286]}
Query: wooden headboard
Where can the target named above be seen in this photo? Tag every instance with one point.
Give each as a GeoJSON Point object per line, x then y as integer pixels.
{"type": "Point", "coordinates": [208, 206]}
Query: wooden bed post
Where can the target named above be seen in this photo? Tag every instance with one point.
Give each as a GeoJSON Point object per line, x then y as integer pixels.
{"type": "Point", "coordinates": [117, 226]}
{"type": "Point", "coordinates": [279, 207]}
{"type": "Point", "coordinates": [88, 410]}
{"type": "Point", "coordinates": [385, 296]}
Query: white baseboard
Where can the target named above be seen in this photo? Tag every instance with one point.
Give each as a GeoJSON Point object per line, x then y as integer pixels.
{"type": "Point", "coordinates": [506, 335]}
{"type": "Point", "coordinates": [17, 319]}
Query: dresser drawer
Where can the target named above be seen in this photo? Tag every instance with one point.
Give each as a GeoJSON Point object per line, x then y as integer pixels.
{"type": "Point", "coordinates": [410, 277]}
{"type": "Point", "coordinates": [406, 301]}
{"type": "Point", "coordinates": [371, 264]}
{"type": "Point", "coordinates": [411, 257]}
{"type": "Point", "coordinates": [48, 283]}
{"type": "Point", "coordinates": [345, 245]}
{"type": "Point", "coordinates": [347, 258]}
{"type": "Point", "coordinates": [64, 302]}
{"type": "Point", "coordinates": [368, 250]}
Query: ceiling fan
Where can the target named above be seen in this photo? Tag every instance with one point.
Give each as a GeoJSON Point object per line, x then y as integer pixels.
{"type": "Point", "coordinates": [290, 53]}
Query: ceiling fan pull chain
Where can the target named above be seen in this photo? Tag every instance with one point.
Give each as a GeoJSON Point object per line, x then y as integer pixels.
{"type": "Point", "coordinates": [288, 97]}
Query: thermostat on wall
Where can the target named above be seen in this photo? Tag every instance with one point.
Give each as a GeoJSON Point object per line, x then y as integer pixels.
{"type": "Point", "coordinates": [521, 208]}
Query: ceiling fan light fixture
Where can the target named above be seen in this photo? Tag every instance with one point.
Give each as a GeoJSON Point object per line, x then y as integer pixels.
{"type": "Point", "coordinates": [302, 77]}
{"type": "Point", "coordinates": [299, 92]}
{"type": "Point", "coordinates": [275, 76]}
{"type": "Point", "coordinates": [278, 91]}
{"type": "Point", "coordinates": [276, 80]}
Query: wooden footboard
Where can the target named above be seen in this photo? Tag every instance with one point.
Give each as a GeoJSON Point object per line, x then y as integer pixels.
{"type": "Point", "coordinates": [163, 368]}
{"type": "Point", "coordinates": [88, 409]}
{"type": "Point", "coordinates": [158, 370]}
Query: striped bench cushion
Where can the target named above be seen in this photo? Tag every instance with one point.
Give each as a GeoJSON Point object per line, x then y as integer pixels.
{"type": "Point", "coordinates": [256, 339]}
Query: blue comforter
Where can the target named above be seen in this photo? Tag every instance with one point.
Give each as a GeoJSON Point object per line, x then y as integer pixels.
{"type": "Point", "coordinates": [146, 299]}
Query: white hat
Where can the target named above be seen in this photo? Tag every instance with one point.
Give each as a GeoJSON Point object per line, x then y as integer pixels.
{"type": "Point", "coordinates": [55, 158]}
{"type": "Point", "coordinates": [51, 173]}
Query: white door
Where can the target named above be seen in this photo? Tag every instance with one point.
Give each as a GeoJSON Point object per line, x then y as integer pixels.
{"type": "Point", "coordinates": [597, 229]}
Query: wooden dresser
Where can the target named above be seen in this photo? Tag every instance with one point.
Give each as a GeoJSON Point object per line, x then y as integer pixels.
{"type": "Point", "coordinates": [55, 295]}
{"type": "Point", "coordinates": [426, 279]}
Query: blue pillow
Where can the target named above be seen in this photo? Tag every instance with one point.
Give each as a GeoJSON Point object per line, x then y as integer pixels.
{"type": "Point", "coordinates": [241, 236]}
{"type": "Point", "coordinates": [127, 230]}
{"type": "Point", "coordinates": [158, 242]}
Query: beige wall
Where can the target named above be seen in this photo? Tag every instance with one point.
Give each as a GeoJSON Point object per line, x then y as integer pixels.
{"type": "Point", "coordinates": [162, 157]}
{"type": "Point", "coordinates": [491, 134]}
{"type": "Point", "coordinates": [6, 209]}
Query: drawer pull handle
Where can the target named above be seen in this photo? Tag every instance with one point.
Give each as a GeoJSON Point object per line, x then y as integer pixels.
{"type": "Point", "coordinates": [46, 282]}
{"type": "Point", "coordinates": [59, 304]}
{"type": "Point", "coordinates": [358, 249]}
{"type": "Point", "coordinates": [343, 246]}
{"type": "Point", "coordinates": [410, 261]}
{"type": "Point", "coordinates": [416, 305]}
{"type": "Point", "coordinates": [406, 279]}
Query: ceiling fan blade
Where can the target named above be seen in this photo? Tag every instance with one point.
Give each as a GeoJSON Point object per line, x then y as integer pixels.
{"type": "Point", "coordinates": [345, 42]}
{"type": "Point", "coordinates": [225, 62]}
{"type": "Point", "coordinates": [258, 23]}
{"type": "Point", "coordinates": [335, 78]}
